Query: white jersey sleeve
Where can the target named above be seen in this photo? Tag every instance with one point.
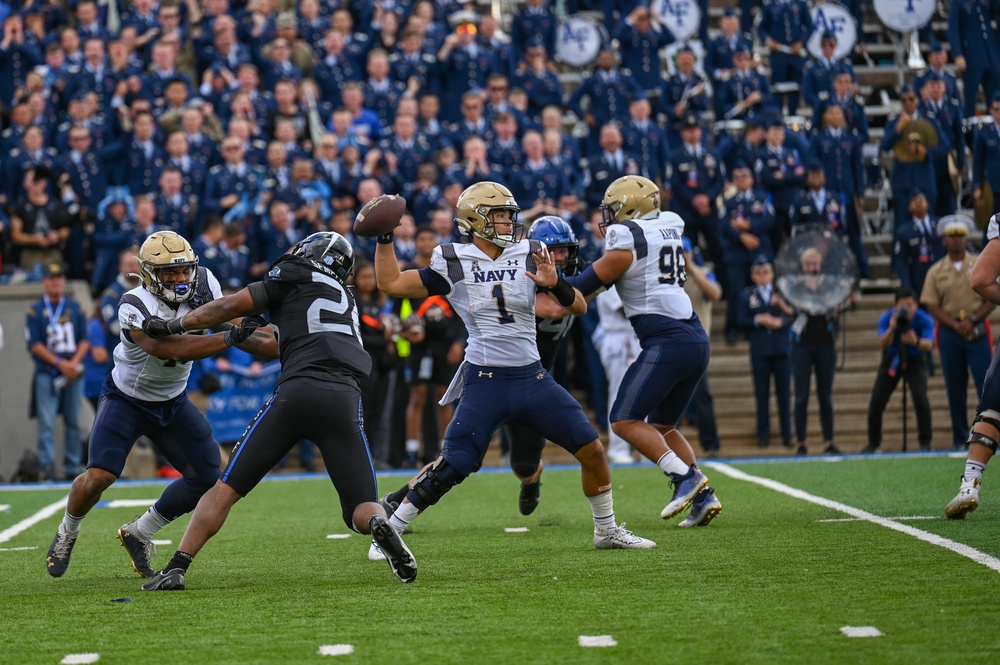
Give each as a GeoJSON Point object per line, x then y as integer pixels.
{"type": "Point", "coordinates": [993, 230]}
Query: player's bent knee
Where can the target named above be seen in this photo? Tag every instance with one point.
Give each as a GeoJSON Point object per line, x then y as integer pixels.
{"type": "Point", "coordinates": [436, 480]}
{"type": "Point", "coordinates": [524, 469]}
{"type": "Point", "coordinates": [97, 480]}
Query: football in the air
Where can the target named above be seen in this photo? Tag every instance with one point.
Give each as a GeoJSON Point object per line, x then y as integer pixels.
{"type": "Point", "coordinates": [380, 215]}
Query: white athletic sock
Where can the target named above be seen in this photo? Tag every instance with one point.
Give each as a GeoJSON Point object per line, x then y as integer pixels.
{"type": "Point", "coordinates": [973, 470]}
{"type": "Point", "coordinates": [149, 523]}
{"type": "Point", "coordinates": [672, 464]}
{"type": "Point", "coordinates": [71, 524]}
{"type": "Point", "coordinates": [403, 516]}
{"type": "Point", "coordinates": [412, 446]}
{"type": "Point", "coordinates": [603, 508]}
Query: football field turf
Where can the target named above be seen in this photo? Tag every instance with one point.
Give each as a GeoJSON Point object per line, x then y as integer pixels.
{"type": "Point", "coordinates": [802, 550]}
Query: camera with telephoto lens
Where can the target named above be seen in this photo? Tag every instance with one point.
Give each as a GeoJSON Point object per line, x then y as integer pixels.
{"type": "Point", "coordinates": [903, 317]}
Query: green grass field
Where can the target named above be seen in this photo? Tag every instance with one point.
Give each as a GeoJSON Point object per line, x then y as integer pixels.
{"type": "Point", "coordinates": [767, 582]}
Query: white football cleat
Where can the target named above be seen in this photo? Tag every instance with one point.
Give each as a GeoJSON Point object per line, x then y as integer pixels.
{"type": "Point", "coordinates": [620, 539]}
{"type": "Point", "coordinates": [966, 501]}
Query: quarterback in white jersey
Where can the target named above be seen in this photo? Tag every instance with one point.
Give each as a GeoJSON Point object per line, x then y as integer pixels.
{"type": "Point", "coordinates": [644, 260]}
{"type": "Point", "coordinates": [491, 283]}
{"type": "Point", "coordinates": [985, 431]}
{"type": "Point", "coordinates": [144, 396]}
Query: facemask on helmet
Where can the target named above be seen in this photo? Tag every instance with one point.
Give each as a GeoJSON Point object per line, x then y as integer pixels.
{"type": "Point", "coordinates": [168, 267]}
{"type": "Point", "coordinates": [476, 213]}
{"type": "Point", "coordinates": [556, 233]}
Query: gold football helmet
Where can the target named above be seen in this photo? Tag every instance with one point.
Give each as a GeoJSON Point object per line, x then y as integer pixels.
{"type": "Point", "coordinates": [168, 250]}
{"type": "Point", "coordinates": [629, 197]}
{"type": "Point", "coordinates": [476, 207]}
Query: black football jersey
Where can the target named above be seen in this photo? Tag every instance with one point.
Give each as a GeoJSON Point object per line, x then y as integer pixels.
{"type": "Point", "coordinates": [315, 320]}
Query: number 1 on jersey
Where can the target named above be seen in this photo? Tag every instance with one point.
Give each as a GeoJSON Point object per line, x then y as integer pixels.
{"type": "Point", "coordinates": [501, 305]}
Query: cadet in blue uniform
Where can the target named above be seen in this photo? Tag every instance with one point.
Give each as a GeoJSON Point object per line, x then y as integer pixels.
{"type": "Point", "coordinates": [684, 92]}
{"type": "Point", "coordinates": [176, 210]}
{"type": "Point", "coordinates": [781, 173]}
{"type": "Point", "coordinates": [719, 56]}
{"type": "Point", "coordinates": [785, 27]}
{"type": "Point", "coordinates": [918, 174]}
{"type": "Point", "coordinates": [465, 66]}
{"type": "Point", "coordinates": [639, 41]}
{"type": "Point", "coordinates": [534, 21]}
{"type": "Point", "coordinates": [766, 318]}
{"type": "Point", "coordinates": [646, 140]}
{"type": "Point", "coordinates": [975, 45]}
{"type": "Point", "coordinates": [539, 82]}
{"type": "Point", "coordinates": [986, 154]}
{"type": "Point", "coordinates": [733, 148]}
{"type": "Point", "coordinates": [137, 156]}
{"type": "Point", "coordinates": [604, 167]}
{"type": "Point", "coordinates": [229, 182]}
{"type": "Point", "coordinates": [917, 245]}
{"type": "Point", "coordinates": [407, 147]}
{"type": "Point", "coordinates": [696, 180]}
{"type": "Point", "coordinates": [817, 79]}
{"type": "Point", "coordinates": [747, 222]}
{"type": "Point", "coordinates": [948, 113]}
{"type": "Point", "coordinates": [608, 91]}
{"type": "Point", "coordinates": [114, 231]}
{"type": "Point", "coordinates": [746, 90]}
{"type": "Point", "coordinates": [87, 173]}
{"type": "Point", "coordinates": [17, 57]}
{"type": "Point", "coordinates": [536, 179]}
{"type": "Point", "coordinates": [937, 58]}
{"type": "Point", "coordinates": [335, 69]}
{"type": "Point", "coordinates": [853, 106]}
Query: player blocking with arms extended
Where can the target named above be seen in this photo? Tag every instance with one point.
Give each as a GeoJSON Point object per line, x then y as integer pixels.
{"type": "Point", "coordinates": [644, 260]}
{"type": "Point", "coordinates": [317, 397]}
{"type": "Point", "coordinates": [985, 431]}
{"type": "Point", "coordinates": [491, 283]}
{"type": "Point", "coordinates": [145, 395]}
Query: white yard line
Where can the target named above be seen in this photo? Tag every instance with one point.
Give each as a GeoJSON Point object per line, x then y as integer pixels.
{"type": "Point", "coordinates": [126, 503]}
{"type": "Point", "coordinates": [958, 548]}
{"type": "Point", "coordinates": [43, 514]}
{"type": "Point", "coordinates": [902, 518]}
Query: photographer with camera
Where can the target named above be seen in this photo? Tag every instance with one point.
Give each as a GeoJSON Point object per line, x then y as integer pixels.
{"type": "Point", "coordinates": [905, 334]}
{"type": "Point", "coordinates": [963, 334]}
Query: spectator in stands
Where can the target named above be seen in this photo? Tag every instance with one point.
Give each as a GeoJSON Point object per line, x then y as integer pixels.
{"type": "Point", "coordinates": [502, 49]}
{"type": "Point", "coordinates": [40, 224]}
{"type": "Point", "coordinates": [937, 58]}
{"type": "Point", "coordinates": [781, 172]}
{"type": "Point", "coordinates": [747, 222]}
{"type": "Point", "coordinates": [905, 334]}
{"type": "Point", "coordinates": [57, 339]}
{"type": "Point", "coordinates": [746, 90]}
{"type": "Point", "coordinates": [535, 182]}
{"type": "Point", "coordinates": [640, 37]}
{"type": "Point", "coordinates": [645, 139]}
{"type": "Point", "coordinates": [963, 337]}
{"type": "Point", "coordinates": [820, 206]}
{"type": "Point", "coordinates": [504, 150]}
{"type": "Point", "coordinates": [785, 27]}
{"type": "Point", "coordinates": [766, 318]}
{"type": "Point", "coordinates": [608, 92]}
{"type": "Point", "coordinates": [229, 182]}
{"type": "Point", "coordinates": [684, 92]}
{"type": "Point", "coordinates": [917, 245]}
{"type": "Point", "coordinates": [381, 93]}
{"type": "Point", "coordinates": [335, 69]}
{"type": "Point", "coordinates": [818, 76]}
{"type": "Point", "coordinates": [17, 57]}
{"type": "Point", "coordinates": [696, 181]}
{"type": "Point", "coordinates": [536, 77]}
{"type": "Point", "coordinates": [719, 54]}
{"type": "Point", "coordinates": [742, 146]}
{"type": "Point", "coordinates": [473, 122]}
{"type": "Point", "coordinates": [917, 171]}
{"type": "Point", "coordinates": [207, 246]}
{"type": "Point", "coordinates": [496, 102]}
{"type": "Point", "coordinates": [606, 166]}
{"type": "Point", "coordinates": [114, 232]}
{"type": "Point", "coordinates": [842, 94]}
{"type": "Point", "coordinates": [410, 66]}
{"type": "Point", "coordinates": [465, 65]}
{"type": "Point", "coordinates": [948, 114]}
{"type": "Point", "coordinates": [87, 175]}
{"type": "Point", "coordinates": [986, 155]}
{"type": "Point", "coordinates": [533, 24]}
{"type": "Point", "coordinates": [975, 45]}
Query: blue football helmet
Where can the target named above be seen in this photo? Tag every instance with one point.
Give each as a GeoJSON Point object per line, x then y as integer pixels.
{"type": "Point", "coordinates": [555, 232]}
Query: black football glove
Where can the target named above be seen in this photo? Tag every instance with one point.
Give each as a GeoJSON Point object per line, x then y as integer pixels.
{"type": "Point", "coordinates": [241, 333]}
{"type": "Point", "coordinates": [156, 327]}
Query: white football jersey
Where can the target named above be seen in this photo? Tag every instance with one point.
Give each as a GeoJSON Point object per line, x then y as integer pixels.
{"type": "Point", "coordinates": [654, 283]}
{"type": "Point", "coordinates": [993, 230]}
{"type": "Point", "coordinates": [495, 299]}
{"type": "Point", "coordinates": [609, 309]}
{"type": "Point", "coordinates": [146, 377]}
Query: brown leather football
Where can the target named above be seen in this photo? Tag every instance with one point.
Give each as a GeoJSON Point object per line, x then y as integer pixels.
{"type": "Point", "coordinates": [380, 215]}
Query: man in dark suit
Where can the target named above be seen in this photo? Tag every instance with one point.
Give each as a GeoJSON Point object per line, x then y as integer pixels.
{"type": "Point", "coordinates": [917, 245]}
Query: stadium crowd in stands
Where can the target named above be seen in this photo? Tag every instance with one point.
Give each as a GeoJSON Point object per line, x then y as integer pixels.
{"type": "Point", "coordinates": [245, 125]}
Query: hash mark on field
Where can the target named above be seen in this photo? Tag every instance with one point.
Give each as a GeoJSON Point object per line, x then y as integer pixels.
{"type": "Point", "coordinates": [336, 650]}
{"type": "Point", "coordinates": [338, 536]}
{"type": "Point", "coordinates": [959, 548]}
{"type": "Point", "coordinates": [903, 518]}
{"type": "Point", "coordinates": [861, 631]}
{"type": "Point", "coordinates": [17, 549]}
{"type": "Point", "coordinates": [162, 542]}
{"type": "Point", "coordinates": [80, 658]}
{"type": "Point", "coordinates": [4, 507]}
{"type": "Point", "coordinates": [597, 641]}
{"type": "Point", "coordinates": [45, 513]}
{"type": "Point", "coordinates": [126, 503]}
{"type": "Point", "coordinates": [516, 529]}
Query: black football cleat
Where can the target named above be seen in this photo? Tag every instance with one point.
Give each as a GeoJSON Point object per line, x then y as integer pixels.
{"type": "Point", "coordinates": [139, 550]}
{"type": "Point", "coordinates": [399, 556]}
{"type": "Point", "coordinates": [57, 560]}
{"type": "Point", "coordinates": [166, 580]}
{"type": "Point", "coordinates": [530, 496]}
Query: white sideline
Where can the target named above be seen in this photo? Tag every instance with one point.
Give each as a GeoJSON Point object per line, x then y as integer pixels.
{"type": "Point", "coordinates": [959, 548]}
{"type": "Point", "coordinates": [43, 514]}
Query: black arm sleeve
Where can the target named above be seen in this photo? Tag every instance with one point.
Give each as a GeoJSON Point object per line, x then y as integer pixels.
{"type": "Point", "coordinates": [266, 295]}
{"type": "Point", "coordinates": [435, 284]}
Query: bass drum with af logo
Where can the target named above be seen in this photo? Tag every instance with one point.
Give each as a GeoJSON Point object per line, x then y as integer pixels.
{"type": "Point", "coordinates": [578, 40]}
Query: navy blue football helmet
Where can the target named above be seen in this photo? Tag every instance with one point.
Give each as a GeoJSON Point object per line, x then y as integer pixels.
{"type": "Point", "coordinates": [555, 232]}
{"type": "Point", "coordinates": [329, 248]}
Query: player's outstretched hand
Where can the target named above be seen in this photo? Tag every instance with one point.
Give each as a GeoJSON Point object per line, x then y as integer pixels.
{"type": "Point", "coordinates": [545, 274]}
{"type": "Point", "coordinates": [249, 324]}
{"type": "Point", "coordinates": [155, 327]}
